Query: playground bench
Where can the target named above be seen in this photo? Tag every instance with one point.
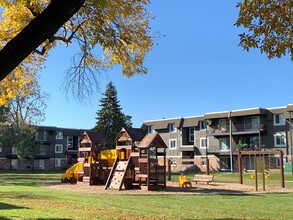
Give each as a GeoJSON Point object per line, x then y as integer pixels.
{"type": "Point", "coordinates": [203, 178]}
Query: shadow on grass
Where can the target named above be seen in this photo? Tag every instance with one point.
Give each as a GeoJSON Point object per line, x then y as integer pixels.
{"type": "Point", "coordinates": [195, 190]}
{"type": "Point", "coordinates": [8, 206]}
{"type": "Point", "coordinates": [27, 179]}
{"type": "Point", "coordinates": [6, 218]}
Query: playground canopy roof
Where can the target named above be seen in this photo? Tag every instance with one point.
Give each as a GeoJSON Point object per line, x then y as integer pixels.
{"type": "Point", "coordinates": [154, 139]}
{"type": "Point", "coordinates": [135, 134]}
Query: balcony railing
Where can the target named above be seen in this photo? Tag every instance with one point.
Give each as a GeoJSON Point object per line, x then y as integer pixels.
{"type": "Point", "coordinates": [237, 128]}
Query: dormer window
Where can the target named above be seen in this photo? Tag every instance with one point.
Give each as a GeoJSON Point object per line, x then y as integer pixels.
{"type": "Point", "coordinates": [171, 127]}
{"type": "Point", "coordinates": [202, 125]}
{"type": "Point", "coordinates": [59, 135]}
{"type": "Point", "coordinates": [150, 129]}
{"type": "Point", "coordinates": [279, 119]}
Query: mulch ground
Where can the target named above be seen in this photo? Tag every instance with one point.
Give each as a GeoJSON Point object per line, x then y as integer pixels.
{"type": "Point", "coordinates": [173, 188]}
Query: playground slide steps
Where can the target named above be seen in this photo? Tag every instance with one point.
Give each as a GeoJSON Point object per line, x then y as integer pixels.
{"type": "Point", "coordinates": [118, 175]}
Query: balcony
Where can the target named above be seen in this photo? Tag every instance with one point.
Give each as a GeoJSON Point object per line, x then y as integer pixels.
{"type": "Point", "coordinates": [237, 129]}
{"type": "Point", "coordinates": [218, 131]}
{"type": "Point", "coordinates": [248, 128]}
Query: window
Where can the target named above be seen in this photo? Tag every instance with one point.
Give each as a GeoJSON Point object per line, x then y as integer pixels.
{"type": "Point", "coordinates": [39, 164]}
{"type": "Point", "coordinates": [152, 152]}
{"type": "Point", "coordinates": [223, 125]}
{"type": "Point", "coordinates": [280, 139]}
{"type": "Point", "coordinates": [191, 134]}
{"type": "Point", "coordinates": [57, 163]}
{"type": "Point", "coordinates": [150, 129]}
{"type": "Point", "coordinates": [251, 123]}
{"type": "Point", "coordinates": [202, 125]}
{"type": "Point", "coordinates": [59, 135]}
{"type": "Point", "coordinates": [58, 148]}
{"type": "Point", "coordinates": [69, 142]}
{"type": "Point", "coordinates": [172, 144]}
{"type": "Point", "coordinates": [278, 162]}
{"type": "Point", "coordinates": [203, 162]}
{"type": "Point", "coordinates": [13, 151]}
{"type": "Point", "coordinates": [41, 136]}
{"type": "Point", "coordinates": [14, 164]}
{"type": "Point", "coordinates": [279, 120]}
{"type": "Point", "coordinates": [172, 127]}
{"type": "Point", "coordinates": [204, 143]}
{"type": "Point", "coordinates": [173, 161]}
{"type": "Point", "coordinates": [224, 144]}
{"type": "Point", "coordinates": [42, 150]}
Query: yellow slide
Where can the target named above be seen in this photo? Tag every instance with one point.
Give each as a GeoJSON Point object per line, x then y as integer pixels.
{"type": "Point", "coordinates": [70, 175]}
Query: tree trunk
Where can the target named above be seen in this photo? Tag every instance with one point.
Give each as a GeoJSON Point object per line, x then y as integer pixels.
{"type": "Point", "coordinates": [41, 28]}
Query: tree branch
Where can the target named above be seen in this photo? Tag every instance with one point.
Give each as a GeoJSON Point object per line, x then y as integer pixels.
{"type": "Point", "coordinates": [41, 28]}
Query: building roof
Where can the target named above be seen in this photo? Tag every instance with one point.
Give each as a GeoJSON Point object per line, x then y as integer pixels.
{"type": "Point", "coordinates": [95, 137]}
{"type": "Point", "coordinates": [192, 121]}
{"type": "Point", "coordinates": [163, 123]}
{"type": "Point", "coordinates": [136, 134]}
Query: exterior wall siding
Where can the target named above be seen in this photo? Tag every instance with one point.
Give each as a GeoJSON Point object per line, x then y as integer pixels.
{"type": "Point", "coordinates": [260, 137]}
{"type": "Point", "coordinates": [48, 155]}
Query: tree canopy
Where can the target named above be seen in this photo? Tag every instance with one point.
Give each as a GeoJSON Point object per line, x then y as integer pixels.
{"type": "Point", "coordinates": [107, 32]}
{"type": "Point", "coordinates": [269, 26]}
{"type": "Point", "coordinates": [19, 117]}
{"type": "Point", "coordinates": [110, 118]}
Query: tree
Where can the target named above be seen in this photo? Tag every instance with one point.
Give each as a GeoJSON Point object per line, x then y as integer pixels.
{"type": "Point", "coordinates": [269, 26]}
{"type": "Point", "coordinates": [110, 118]}
{"type": "Point", "coordinates": [19, 119]}
{"type": "Point", "coordinates": [118, 30]}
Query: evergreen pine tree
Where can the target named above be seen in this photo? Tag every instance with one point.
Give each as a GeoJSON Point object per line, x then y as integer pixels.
{"type": "Point", "coordinates": [110, 118]}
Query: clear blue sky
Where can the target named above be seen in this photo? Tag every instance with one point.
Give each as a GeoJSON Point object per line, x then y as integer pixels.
{"type": "Point", "coordinates": [197, 68]}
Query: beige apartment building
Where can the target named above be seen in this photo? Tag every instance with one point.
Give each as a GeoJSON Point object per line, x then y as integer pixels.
{"type": "Point", "coordinates": [219, 136]}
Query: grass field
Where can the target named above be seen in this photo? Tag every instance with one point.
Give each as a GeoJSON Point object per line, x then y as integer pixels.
{"type": "Point", "coordinates": [22, 196]}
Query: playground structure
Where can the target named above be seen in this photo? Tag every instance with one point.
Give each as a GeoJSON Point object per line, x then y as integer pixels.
{"type": "Point", "coordinates": [262, 163]}
{"type": "Point", "coordinates": [94, 162]}
{"type": "Point", "coordinates": [137, 161]}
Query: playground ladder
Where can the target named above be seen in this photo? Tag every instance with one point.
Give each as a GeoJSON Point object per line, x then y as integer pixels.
{"type": "Point", "coordinates": [117, 175]}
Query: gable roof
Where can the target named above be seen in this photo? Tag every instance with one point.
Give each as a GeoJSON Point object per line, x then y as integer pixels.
{"type": "Point", "coordinates": [152, 139]}
{"type": "Point", "coordinates": [136, 134]}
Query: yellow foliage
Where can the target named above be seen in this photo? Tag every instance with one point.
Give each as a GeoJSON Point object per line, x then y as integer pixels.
{"type": "Point", "coordinates": [268, 26]}
{"type": "Point", "coordinates": [119, 27]}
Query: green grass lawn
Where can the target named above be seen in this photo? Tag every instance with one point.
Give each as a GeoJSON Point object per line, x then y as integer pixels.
{"type": "Point", "coordinates": [273, 180]}
{"type": "Point", "coordinates": [22, 196]}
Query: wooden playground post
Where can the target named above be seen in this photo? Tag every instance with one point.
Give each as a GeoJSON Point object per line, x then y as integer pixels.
{"type": "Point", "coordinates": [169, 170]}
{"type": "Point", "coordinates": [240, 167]}
{"type": "Point", "coordinates": [282, 169]}
{"type": "Point", "coordinates": [264, 181]}
{"type": "Point", "coordinates": [207, 166]}
{"type": "Point", "coordinates": [255, 173]}
{"type": "Point", "coordinates": [268, 152]}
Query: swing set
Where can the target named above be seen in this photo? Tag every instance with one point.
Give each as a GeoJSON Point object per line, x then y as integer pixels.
{"type": "Point", "coordinates": [260, 165]}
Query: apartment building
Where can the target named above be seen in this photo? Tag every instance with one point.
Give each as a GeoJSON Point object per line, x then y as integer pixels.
{"type": "Point", "coordinates": [57, 150]}
{"type": "Point", "coordinates": [219, 136]}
